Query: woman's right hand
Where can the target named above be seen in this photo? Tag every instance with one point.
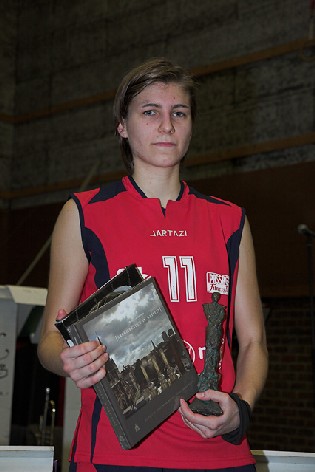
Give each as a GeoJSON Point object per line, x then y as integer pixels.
{"type": "Point", "coordinates": [84, 363]}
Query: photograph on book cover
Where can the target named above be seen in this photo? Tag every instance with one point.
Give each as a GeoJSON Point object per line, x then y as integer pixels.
{"type": "Point", "coordinates": [149, 368]}
{"type": "Point", "coordinates": [146, 355]}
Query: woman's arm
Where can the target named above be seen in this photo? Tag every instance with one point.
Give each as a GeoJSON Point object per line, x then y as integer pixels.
{"type": "Point", "coordinates": [252, 361]}
{"type": "Point", "coordinates": [68, 270]}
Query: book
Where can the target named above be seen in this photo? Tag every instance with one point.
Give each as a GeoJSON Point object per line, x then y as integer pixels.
{"type": "Point", "coordinates": [149, 368]}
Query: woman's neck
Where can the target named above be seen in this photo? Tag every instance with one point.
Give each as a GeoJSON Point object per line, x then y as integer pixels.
{"type": "Point", "coordinates": [163, 185]}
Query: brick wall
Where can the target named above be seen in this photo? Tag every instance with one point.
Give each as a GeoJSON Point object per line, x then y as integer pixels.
{"type": "Point", "coordinates": [284, 418]}
{"type": "Point", "coordinates": [8, 32]}
{"type": "Point", "coordinates": [69, 51]}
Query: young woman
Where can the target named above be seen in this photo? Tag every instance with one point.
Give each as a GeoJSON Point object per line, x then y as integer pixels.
{"type": "Point", "coordinates": [193, 245]}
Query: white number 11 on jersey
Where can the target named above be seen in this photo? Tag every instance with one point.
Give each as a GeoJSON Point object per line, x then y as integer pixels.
{"type": "Point", "coordinates": [186, 263]}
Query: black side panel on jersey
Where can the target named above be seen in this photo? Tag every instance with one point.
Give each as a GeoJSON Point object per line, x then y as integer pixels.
{"type": "Point", "coordinates": [197, 194]}
{"type": "Point", "coordinates": [108, 191]}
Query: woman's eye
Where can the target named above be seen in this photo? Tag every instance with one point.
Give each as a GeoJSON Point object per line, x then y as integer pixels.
{"type": "Point", "coordinates": [149, 112]}
{"type": "Point", "coordinates": [179, 114]}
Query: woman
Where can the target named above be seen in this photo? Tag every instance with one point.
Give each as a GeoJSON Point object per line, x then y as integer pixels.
{"type": "Point", "coordinates": [193, 245]}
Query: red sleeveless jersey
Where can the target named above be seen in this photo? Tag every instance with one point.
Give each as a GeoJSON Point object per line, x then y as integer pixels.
{"type": "Point", "coordinates": [192, 248]}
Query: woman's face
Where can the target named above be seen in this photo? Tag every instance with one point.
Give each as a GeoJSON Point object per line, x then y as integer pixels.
{"type": "Point", "coordinates": [158, 126]}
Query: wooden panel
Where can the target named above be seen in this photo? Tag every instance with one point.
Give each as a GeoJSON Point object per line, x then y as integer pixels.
{"type": "Point", "coordinates": [276, 201]}
{"type": "Point", "coordinates": [29, 230]}
{"type": "Point", "coordinates": [4, 241]}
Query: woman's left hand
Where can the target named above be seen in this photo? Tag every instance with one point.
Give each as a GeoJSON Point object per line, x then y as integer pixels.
{"type": "Point", "coordinates": [211, 426]}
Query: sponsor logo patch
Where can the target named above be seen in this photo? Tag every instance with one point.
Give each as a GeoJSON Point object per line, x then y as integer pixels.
{"type": "Point", "coordinates": [217, 283]}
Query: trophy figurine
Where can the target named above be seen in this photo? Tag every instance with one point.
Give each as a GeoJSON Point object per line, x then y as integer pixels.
{"type": "Point", "coordinates": [209, 378]}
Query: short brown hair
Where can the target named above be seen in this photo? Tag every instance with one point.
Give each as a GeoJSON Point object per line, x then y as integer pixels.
{"type": "Point", "coordinates": [148, 73]}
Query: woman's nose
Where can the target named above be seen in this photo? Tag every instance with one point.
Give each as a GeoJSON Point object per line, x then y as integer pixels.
{"type": "Point", "coordinates": [166, 125]}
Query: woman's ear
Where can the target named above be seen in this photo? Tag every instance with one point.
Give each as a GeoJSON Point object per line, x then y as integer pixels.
{"type": "Point", "coordinates": [121, 130]}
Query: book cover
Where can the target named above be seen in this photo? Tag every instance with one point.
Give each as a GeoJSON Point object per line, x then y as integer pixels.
{"type": "Point", "coordinates": [148, 369]}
